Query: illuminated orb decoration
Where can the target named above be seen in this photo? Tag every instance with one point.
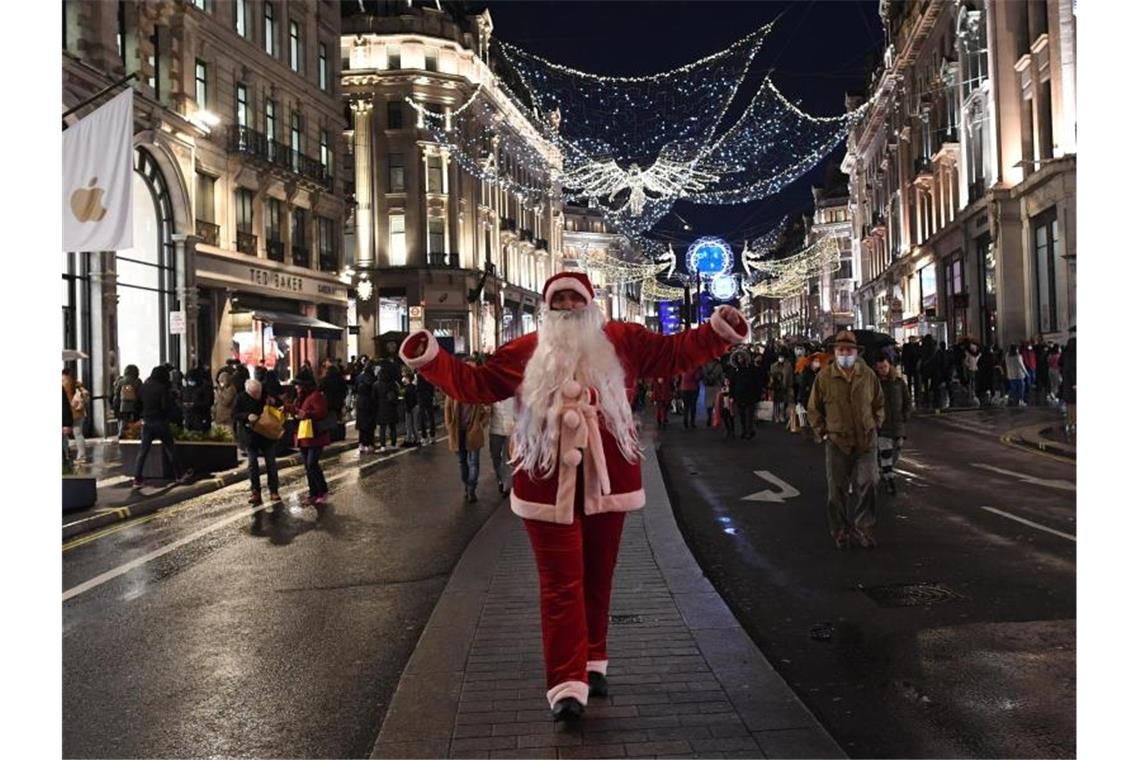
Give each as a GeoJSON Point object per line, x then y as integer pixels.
{"type": "Point", "coordinates": [709, 256]}
{"type": "Point", "coordinates": [723, 287]}
{"type": "Point", "coordinates": [364, 290]}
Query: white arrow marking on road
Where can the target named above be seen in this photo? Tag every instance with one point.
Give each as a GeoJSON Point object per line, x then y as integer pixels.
{"type": "Point", "coordinates": [786, 491]}
{"type": "Point", "coordinates": [1060, 485]}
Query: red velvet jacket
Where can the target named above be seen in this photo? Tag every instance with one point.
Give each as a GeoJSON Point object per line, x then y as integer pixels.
{"type": "Point", "coordinates": [313, 407]}
{"type": "Point", "coordinates": [611, 483]}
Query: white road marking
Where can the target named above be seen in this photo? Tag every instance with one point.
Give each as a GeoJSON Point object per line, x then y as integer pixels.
{"type": "Point", "coordinates": [908, 474]}
{"type": "Point", "coordinates": [786, 491]}
{"type": "Point", "coordinates": [1031, 524]}
{"type": "Point", "coordinates": [1060, 485]}
{"type": "Point", "coordinates": [914, 463]}
{"type": "Point", "coordinates": [102, 578]}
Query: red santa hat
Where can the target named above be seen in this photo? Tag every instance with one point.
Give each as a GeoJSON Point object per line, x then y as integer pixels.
{"type": "Point", "coordinates": [579, 282]}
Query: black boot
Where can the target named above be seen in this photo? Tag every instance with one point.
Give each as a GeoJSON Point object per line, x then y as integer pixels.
{"type": "Point", "coordinates": [599, 687]}
{"type": "Point", "coordinates": [568, 709]}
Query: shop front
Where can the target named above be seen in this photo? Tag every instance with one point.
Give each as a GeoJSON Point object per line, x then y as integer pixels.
{"type": "Point", "coordinates": [276, 315]}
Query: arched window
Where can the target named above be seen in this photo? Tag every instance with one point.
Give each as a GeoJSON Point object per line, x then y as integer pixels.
{"type": "Point", "coordinates": [147, 277]}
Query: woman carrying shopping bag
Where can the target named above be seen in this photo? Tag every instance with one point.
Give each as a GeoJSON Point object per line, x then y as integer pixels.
{"type": "Point", "coordinates": [311, 408]}
{"type": "Point", "coordinates": [259, 428]}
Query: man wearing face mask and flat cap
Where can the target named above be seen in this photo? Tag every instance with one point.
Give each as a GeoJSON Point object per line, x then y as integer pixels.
{"type": "Point", "coordinates": [845, 409]}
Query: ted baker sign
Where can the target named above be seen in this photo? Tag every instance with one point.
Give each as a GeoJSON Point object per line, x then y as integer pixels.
{"type": "Point", "coordinates": [276, 280]}
{"type": "Point", "coordinates": [224, 270]}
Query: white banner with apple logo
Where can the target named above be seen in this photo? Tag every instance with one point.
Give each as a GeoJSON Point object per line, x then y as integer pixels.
{"type": "Point", "coordinates": [97, 154]}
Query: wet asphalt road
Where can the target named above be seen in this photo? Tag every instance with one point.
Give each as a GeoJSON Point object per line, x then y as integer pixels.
{"type": "Point", "coordinates": [986, 671]}
{"type": "Point", "coordinates": [288, 644]}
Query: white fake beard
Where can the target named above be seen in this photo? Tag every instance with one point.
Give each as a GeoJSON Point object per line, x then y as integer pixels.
{"type": "Point", "coordinates": [571, 345]}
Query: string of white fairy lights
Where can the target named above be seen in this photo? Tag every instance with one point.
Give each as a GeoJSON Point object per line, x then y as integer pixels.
{"type": "Point", "coordinates": [788, 276]}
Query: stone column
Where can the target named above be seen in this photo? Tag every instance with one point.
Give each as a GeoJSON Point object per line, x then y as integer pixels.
{"type": "Point", "coordinates": [187, 293]}
{"type": "Point", "coordinates": [105, 361]}
{"type": "Point", "coordinates": [362, 153]}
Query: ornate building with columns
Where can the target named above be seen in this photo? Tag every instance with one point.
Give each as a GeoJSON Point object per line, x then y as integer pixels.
{"type": "Point", "coordinates": [963, 172]}
{"type": "Point", "coordinates": [586, 236]}
{"type": "Point", "coordinates": [238, 209]}
{"type": "Point", "coordinates": [436, 246]}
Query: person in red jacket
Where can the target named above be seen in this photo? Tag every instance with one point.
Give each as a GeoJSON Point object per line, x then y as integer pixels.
{"type": "Point", "coordinates": [690, 390]}
{"type": "Point", "coordinates": [662, 398]}
{"type": "Point", "coordinates": [576, 452]}
{"type": "Point", "coordinates": [312, 405]}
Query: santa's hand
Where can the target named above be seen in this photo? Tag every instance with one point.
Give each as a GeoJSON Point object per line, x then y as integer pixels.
{"type": "Point", "coordinates": [736, 320]}
{"type": "Point", "coordinates": [416, 345]}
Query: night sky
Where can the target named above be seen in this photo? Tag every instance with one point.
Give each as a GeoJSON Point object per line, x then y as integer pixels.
{"type": "Point", "coordinates": [818, 50]}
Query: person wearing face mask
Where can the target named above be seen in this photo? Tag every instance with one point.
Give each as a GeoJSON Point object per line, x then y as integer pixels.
{"type": "Point", "coordinates": [781, 381]}
{"type": "Point", "coordinates": [845, 409]}
{"type": "Point", "coordinates": [807, 380]}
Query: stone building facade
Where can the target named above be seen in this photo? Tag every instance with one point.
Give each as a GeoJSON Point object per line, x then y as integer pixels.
{"type": "Point", "coordinates": [963, 172]}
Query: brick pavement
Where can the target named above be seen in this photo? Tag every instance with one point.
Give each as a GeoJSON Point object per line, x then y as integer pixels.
{"type": "Point", "coordinates": [685, 680]}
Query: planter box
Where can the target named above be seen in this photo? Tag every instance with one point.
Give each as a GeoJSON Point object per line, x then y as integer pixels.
{"type": "Point", "coordinates": [78, 492]}
{"type": "Point", "coordinates": [199, 456]}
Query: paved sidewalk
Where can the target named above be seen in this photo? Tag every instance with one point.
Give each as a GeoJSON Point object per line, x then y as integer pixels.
{"type": "Point", "coordinates": [685, 680]}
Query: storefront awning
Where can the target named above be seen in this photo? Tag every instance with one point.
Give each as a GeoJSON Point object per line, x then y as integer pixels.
{"type": "Point", "coordinates": [298, 325]}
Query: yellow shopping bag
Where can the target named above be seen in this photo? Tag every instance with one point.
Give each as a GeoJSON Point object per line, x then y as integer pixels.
{"type": "Point", "coordinates": [305, 430]}
{"type": "Point", "coordinates": [276, 413]}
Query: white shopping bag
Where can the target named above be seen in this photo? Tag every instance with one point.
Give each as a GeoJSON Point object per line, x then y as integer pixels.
{"type": "Point", "coordinates": [765, 410]}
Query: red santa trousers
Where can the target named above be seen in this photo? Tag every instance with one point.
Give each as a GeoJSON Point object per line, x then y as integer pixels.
{"type": "Point", "coordinates": [575, 572]}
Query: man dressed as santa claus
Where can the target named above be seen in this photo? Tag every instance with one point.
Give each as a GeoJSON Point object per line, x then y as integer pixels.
{"type": "Point", "coordinates": [576, 454]}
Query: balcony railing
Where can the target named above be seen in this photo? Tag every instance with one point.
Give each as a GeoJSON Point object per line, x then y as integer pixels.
{"type": "Point", "coordinates": [922, 165]}
{"type": "Point", "coordinates": [542, 244]}
{"type": "Point", "coordinates": [977, 189]}
{"type": "Point", "coordinates": [300, 256]}
{"type": "Point", "coordinates": [252, 143]}
{"type": "Point", "coordinates": [207, 232]}
{"type": "Point", "coordinates": [506, 223]}
{"type": "Point", "coordinates": [275, 249]}
{"type": "Point", "coordinates": [449, 260]}
{"type": "Point", "coordinates": [526, 236]}
{"type": "Point", "coordinates": [246, 243]}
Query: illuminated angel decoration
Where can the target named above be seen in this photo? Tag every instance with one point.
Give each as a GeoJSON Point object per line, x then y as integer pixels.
{"type": "Point", "coordinates": [665, 178]}
{"type": "Point", "coordinates": [669, 258]}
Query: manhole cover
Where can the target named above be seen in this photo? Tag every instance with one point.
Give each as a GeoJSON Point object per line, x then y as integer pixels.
{"type": "Point", "coordinates": [626, 619]}
{"type": "Point", "coordinates": [911, 594]}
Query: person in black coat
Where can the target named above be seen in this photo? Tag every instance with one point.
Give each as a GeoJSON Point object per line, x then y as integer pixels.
{"type": "Point", "coordinates": [985, 378]}
{"type": "Point", "coordinates": [159, 407]}
{"type": "Point", "coordinates": [386, 397]}
{"type": "Point", "coordinates": [248, 407]}
{"type": "Point", "coordinates": [746, 389]}
{"type": "Point", "coordinates": [911, 354]}
{"type": "Point", "coordinates": [366, 409]}
{"type": "Point", "coordinates": [425, 403]}
{"type": "Point", "coordinates": [334, 387]}
{"type": "Point", "coordinates": [1069, 380]}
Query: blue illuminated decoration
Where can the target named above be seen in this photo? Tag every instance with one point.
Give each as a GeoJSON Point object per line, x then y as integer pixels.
{"type": "Point", "coordinates": [723, 287]}
{"type": "Point", "coordinates": [669, 317]}
{"type": "Point", "coordinates": [709, 256]}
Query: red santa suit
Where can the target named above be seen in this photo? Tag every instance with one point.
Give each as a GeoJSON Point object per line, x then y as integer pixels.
{"type": "Point", "coordinates": [574, 515]}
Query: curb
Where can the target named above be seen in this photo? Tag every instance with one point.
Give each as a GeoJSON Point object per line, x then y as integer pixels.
{"type": "Point", "coordinates": [1031, 438]}
{"type": "Point", "coordinates": [173, 493]}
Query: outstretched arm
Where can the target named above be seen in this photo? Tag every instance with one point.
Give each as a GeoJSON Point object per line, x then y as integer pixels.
{"type": "Point", "coordinates": [668, 355]}
{"type": "Point", "coordinates": [485, 384]}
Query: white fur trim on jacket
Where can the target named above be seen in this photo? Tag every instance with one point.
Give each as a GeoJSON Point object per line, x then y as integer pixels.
{"type": "Point", "coordinates": [597, 666]}
{"type": "Point", "coordinates": [429, 353]}
{"type": "Point", "coordinates": [580, 690]}
{"type": "Point", "coordinates": [726, 331]}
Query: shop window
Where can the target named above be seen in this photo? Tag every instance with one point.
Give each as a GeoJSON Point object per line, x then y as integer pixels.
{"type": "Point", "coordinates": [1046, 255]}
{"type": "Point", "coordinates": [397, 246]}
{"type": "Point", "coordinates": [928, 290]}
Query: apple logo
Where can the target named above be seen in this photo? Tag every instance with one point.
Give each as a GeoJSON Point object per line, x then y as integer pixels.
{"type": "Point", "coordinates": [87, 203]}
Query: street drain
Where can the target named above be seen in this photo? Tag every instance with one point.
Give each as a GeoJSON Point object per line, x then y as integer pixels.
{"type": "Point", "coordinates": [911, 594]}
{"type": "Point", "coordinates": [626, 619]}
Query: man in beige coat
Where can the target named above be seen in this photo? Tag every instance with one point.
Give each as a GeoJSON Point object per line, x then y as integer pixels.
{"type": "Point", "coordinates": [845, 409]}
{"type": "Point", "coordinates": [465, 425]}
